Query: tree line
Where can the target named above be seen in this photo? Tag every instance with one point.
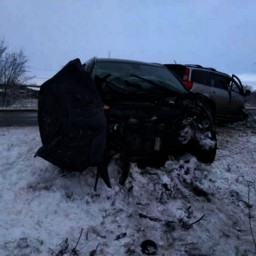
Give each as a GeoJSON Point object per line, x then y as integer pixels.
{"type": "Point", "coordinates": [13, 73]}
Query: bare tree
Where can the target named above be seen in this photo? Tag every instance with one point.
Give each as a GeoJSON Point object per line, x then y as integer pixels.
{"type": "Point", "coordinates": [2, 51]}
{"type": "Point", "coordinates": [13, 69]}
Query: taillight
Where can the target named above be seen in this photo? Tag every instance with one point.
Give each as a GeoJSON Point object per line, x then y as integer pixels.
{"type": "Point", "coordinates": [185, 79]}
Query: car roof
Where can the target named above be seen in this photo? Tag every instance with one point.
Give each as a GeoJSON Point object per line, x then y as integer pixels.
{"type": "Point", "coordinates": [200, 67]}
{"type": "Point", "coordinates": [127, 61]}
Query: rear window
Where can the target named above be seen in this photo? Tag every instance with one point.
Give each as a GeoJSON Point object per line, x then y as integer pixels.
{"type": "Point", "coordinates": [201, 77]}
{"type": "Point", "coordinates": [177, 69]}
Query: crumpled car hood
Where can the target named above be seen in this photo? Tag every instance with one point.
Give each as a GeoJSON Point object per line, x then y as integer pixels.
{"type": "Point", "coordinates": [71, 119]}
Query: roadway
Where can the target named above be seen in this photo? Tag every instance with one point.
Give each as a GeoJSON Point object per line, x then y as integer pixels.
{"type": "Point", "coordinates": [28, 117]}
{"type": "Point", "coordinates": [18, 117]}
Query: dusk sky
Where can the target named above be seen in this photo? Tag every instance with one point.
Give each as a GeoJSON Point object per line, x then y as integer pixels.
{"type": "Point", "coordinates": [213, 33]}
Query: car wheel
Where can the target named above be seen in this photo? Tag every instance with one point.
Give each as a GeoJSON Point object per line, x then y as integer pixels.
{"type": "Point", "coordinates": [204, 146]}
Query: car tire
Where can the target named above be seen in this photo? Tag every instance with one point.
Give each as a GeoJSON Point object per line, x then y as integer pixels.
{"type": "Point", "coordinates": [205, 151]}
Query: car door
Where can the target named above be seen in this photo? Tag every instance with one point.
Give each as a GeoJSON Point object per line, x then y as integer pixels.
{"type": "Point", "coordinates": [220, 93]}
{"type": "Point", "coordinates": [201, 82]}
{"type": "Point", "coordinates": [237, 96]}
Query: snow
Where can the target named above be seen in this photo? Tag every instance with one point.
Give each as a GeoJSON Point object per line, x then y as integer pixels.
{"type": "Point", "coordinates": [186, 207]}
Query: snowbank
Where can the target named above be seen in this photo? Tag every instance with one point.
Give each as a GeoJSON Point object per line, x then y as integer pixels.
{"type": "Point", "coordinates": [186, 207]}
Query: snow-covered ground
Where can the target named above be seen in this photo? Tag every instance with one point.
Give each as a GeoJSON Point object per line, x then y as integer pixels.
{"type": "Point", "coordinates": [186, 207]}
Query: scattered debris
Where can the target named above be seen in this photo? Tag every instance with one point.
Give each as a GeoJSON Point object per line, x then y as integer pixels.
{"type": "Point", "coordinates": [148, 247]}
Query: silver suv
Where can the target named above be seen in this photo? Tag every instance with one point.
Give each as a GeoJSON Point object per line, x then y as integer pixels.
{"type": "Point", "coordinates": [226, 92]}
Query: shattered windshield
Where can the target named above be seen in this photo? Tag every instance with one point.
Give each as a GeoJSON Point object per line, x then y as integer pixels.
{"type": "Point", "coordinates": [138, 77]}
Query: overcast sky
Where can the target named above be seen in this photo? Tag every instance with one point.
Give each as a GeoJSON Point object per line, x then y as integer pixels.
{"type": "Point", "coordinates": [216, 33]}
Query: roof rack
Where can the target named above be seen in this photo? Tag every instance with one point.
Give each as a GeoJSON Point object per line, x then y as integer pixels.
{"type": "Point", "coordinates": [213, 69]}
{"type": "Point", "coordinates": [199, 66]}
{"type": "Point", "coordinates": [194, 65]}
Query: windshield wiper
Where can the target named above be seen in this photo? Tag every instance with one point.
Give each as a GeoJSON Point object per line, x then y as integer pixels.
{"type": "Point", "coordinates": [102, 79]}
{"type": "Point", "coordinates": [163, 88]}
{"type": "Point", "coordinates": [113, 83]}
{"type": "Point", "coordinates": [133, 85]}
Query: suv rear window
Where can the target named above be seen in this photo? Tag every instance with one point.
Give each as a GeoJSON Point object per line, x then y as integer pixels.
{"type": "Point", "coordinates": [201, 77]}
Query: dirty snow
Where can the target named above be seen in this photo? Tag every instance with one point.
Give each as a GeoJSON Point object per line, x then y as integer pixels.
{"type": "Point", "coordinates": [186, 207]}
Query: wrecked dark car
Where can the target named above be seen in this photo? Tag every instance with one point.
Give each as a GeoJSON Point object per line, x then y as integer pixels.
{"type": "Point", "coordinates": [87, 113]}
